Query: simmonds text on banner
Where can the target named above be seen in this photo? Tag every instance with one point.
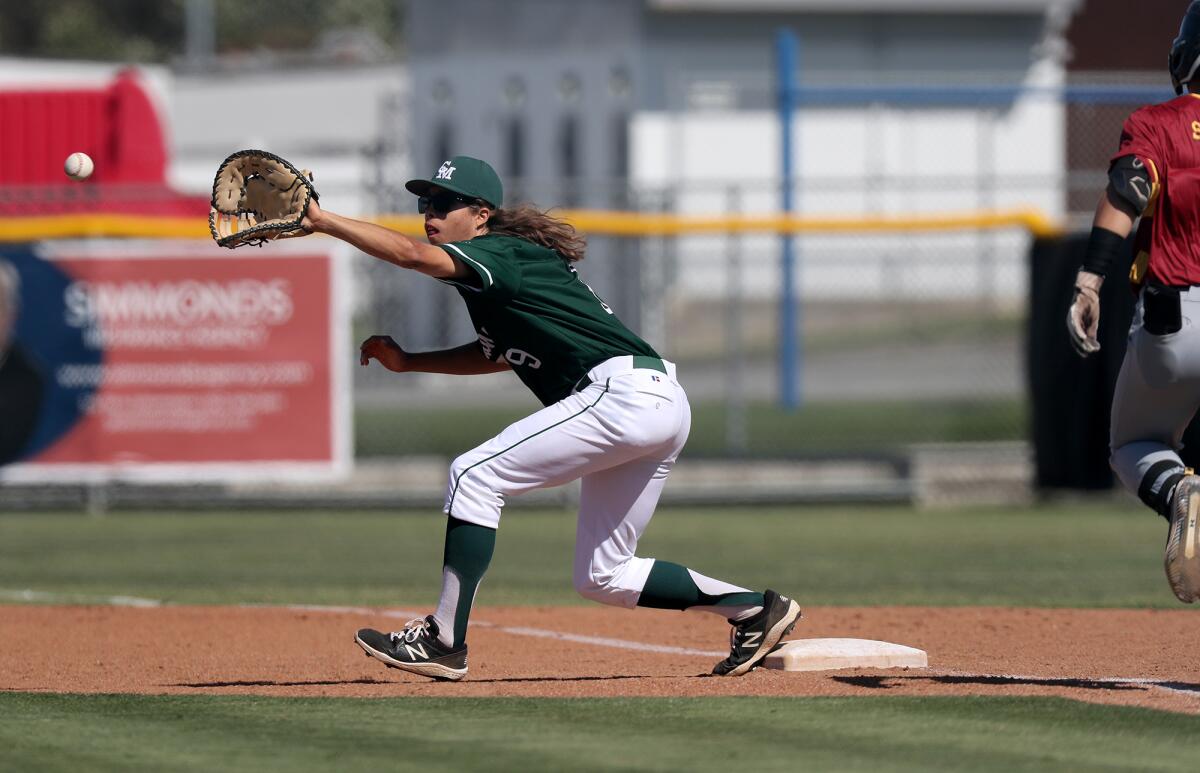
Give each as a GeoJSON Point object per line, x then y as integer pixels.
{"type": "Point", "coordinates": [161, 362]}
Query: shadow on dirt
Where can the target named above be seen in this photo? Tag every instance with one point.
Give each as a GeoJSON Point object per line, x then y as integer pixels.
{"type": "Point", "coordinates": [270, 683]}
{"type": "Point", "coordinates": [611, 678]}
{"type": "Point", "coordinates": [888, 682]}
{"type": "Point", "coordinates": [330, 682]}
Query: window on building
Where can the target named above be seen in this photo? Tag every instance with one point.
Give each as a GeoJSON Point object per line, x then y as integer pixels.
{"type": "Point", "coordinates": [569, 166]}
{"type": "Point", "coordinates": [619, 128]}
{"type": "Point", "coordinates": [514, 152]}
{"type": "Point", "coordinates": [443, 142]}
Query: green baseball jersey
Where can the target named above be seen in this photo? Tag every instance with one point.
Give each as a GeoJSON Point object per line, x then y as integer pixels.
{"type": "Point", "coordinates": [530, 307]}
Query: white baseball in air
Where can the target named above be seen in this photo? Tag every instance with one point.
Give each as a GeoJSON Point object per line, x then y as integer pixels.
{"type": "Point", "coordinates": [79, 166]}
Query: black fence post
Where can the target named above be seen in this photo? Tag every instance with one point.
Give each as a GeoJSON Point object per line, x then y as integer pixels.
{"type": "Point", "coordinates": [1071, 396]}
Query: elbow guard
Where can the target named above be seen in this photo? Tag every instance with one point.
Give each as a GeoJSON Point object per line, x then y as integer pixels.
{"type": "Point", "coordinates": [1130, 182]}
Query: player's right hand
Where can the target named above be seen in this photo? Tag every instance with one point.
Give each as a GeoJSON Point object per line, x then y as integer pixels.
{"type": "Point", "coordinates": [1083, 319]}
{"type": "Point", "coordinates": [384, 349]}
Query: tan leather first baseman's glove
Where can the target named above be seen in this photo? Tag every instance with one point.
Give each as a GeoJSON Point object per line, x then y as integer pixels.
{"type": "Point", "coordinates": [257, 197]}
{"type": "Point", "coordinates": [1083, 320]}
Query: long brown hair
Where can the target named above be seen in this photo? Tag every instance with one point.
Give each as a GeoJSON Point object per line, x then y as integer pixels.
{"type": "Point", "coordinates": [532, 224]}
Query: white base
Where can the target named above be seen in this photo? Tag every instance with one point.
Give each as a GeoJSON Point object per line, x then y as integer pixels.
{"type": "Point", "coordinates": [830, 654]}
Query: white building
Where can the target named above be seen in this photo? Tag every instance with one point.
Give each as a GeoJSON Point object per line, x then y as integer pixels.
{"type": "Point", "coordinates": [908, 106]}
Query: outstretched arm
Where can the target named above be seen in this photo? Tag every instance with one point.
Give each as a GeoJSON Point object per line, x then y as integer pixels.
{"type": "Point", "coordinates": [385, 244]}
{"type": "Point", "coordinates": [465, 360]}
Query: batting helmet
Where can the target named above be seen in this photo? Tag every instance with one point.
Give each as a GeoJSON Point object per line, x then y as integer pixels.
{"type": "Point", "coordinates": [1184, 59]}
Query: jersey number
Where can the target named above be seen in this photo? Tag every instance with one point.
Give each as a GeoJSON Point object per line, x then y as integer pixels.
{"type": "Point", "coordinates": [1196, 130]}
{"type": "Point", "coordinates": [518, 357]}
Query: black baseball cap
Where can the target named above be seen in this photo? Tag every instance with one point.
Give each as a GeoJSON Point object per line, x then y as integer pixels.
{"type": "Point", "coordinates": [466, 176]}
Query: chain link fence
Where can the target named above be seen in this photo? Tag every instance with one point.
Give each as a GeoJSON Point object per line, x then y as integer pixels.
{"type": "Point", "coordinates": [905, 337]}
{"type": "Point", "coordinates": [1096, 108]}
{"type": "Point", "coordinates": [908, 335]}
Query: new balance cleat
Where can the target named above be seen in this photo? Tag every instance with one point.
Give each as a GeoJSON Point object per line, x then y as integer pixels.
{"type": "Point", "coordinates": [1182, 556]}
{"type": "Point", "coordinates": [753, 639]}
{"type": "Point", "coordinates": [415, 649]}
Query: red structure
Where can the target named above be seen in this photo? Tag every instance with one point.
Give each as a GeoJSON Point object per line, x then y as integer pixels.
{"type": "Point", "coordinates": [117, 126]}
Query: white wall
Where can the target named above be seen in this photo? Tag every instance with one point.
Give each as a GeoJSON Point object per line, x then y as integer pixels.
{"type": "Point", "coordinates": [875, 160]}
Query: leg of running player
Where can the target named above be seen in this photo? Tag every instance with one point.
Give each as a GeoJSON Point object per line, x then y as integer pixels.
{"type": "Point", "coordinates": [1154, 400]}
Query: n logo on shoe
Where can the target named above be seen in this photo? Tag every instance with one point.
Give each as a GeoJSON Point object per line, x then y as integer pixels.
{"type": "Point", "coordinates": [752, 638]}
{"type": "Point", "coordinates": [414, 651]}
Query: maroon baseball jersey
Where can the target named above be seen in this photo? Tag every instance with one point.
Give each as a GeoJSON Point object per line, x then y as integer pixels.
{"type": "Point", "coordinates": [1166, 138]}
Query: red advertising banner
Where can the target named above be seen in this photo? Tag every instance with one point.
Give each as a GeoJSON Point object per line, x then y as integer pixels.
{"type": "Point", "coordinates": [185, 361]}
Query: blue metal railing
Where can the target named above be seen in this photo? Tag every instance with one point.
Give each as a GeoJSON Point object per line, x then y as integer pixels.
{"type": "Point", "coordinates": [791, 95]}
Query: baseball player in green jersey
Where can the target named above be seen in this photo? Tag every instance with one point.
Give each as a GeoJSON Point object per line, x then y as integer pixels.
{"type": "Point", "coordinates": [615, 418]}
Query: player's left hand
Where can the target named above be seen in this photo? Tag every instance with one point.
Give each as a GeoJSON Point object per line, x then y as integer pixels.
{"type": "Point", "coordinates": [1083, 320]}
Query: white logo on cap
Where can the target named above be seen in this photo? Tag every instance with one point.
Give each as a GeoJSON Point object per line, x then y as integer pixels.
{"type": "Point", "coordinates": [445, 171]}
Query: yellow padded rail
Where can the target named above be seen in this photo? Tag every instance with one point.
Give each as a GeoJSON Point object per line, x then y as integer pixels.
{"type": "Point", "coordinates": [33, 229]}
{"type": "Point", "coordinates": [598, 222]}
{"type": "Point", "coordinates": [648, 224]}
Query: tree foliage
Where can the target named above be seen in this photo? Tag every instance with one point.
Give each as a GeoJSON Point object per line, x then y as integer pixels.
{"type": "Point", "coordinates": [156, 30]}
{"type": "Point", "coordinates": [126, 30]}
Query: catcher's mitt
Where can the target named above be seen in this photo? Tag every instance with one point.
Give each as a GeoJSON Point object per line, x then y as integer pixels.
{"type": "Point", "coordinates": [257, 196]}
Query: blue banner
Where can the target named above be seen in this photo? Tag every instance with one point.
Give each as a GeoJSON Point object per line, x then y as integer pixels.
{"type": "Point", "coordinates": [35, 410]}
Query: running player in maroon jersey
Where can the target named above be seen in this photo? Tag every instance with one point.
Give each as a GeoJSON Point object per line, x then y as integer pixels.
{"type": "Point", "coordinates": [1155, 176]}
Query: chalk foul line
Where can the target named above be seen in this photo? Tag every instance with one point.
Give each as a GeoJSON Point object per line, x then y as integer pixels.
{"type": "Point", "coordinates": [46, 597]}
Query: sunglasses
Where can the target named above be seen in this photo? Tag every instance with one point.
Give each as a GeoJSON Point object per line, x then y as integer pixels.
{"type": "Point", "coordinates": [441, 202]}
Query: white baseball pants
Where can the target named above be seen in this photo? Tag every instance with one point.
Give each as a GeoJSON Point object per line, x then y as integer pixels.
{"type": "Point", "coordinates": [621, 435]}
{"type": "Point", "coordinates": [1157, 394]}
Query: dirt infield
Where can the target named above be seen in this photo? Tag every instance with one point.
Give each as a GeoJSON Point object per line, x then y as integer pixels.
{"type": "Point", "coordinates": [1129, 657]}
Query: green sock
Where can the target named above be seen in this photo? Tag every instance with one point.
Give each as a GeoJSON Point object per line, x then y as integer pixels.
{"type": "Point", "coordinates": [671, 586]}
{"type": "Point", "coordinates": [468, 552]}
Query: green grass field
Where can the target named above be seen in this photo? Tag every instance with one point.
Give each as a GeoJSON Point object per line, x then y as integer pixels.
{"type": "Point", "coordinates": [1093, 555]}
{"type": "Point", "coordinates": [1070, 556]}
{"type": "Point", "coordinates": [817, 428]}
{"type": "Point", "coordinates": [120, 733]}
